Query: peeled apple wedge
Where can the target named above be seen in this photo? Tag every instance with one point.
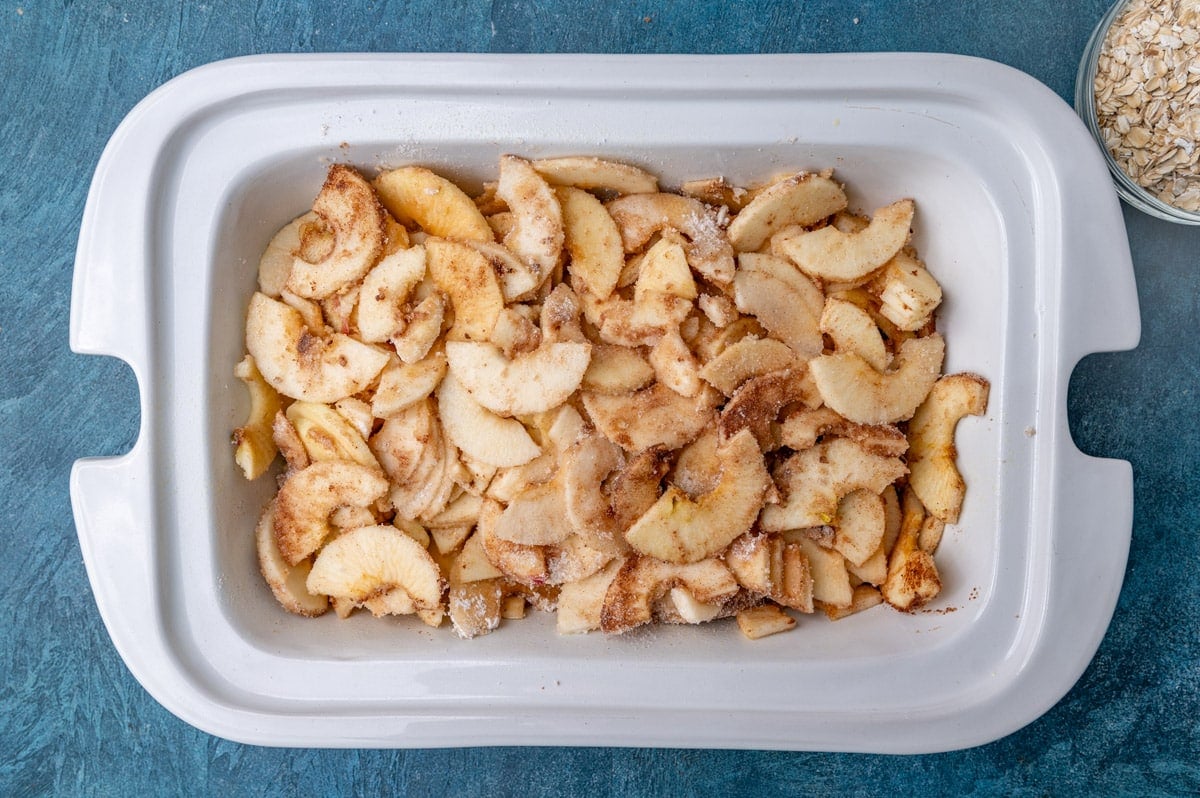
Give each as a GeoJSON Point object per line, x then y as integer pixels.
{"type": "Point", "coordinates": [307, 499]}
{"type": "Point", "coordinates": [592, 241]}
{"type": "Point", "coordinates": [849, 385]}
{"type": "Point", "coordinates": [678, 529]}
{"type": "Point", "coordinates": [254, 443]}
{"type": "Point", "coordinates": [537, 236]}
{"type": "Point", "coordinates": [933, 475]}
{"type": "Point", "coordinates": [629, 600]}
{"type": "Point", "coordinates": [653, 416]}
{"type": "Point", "coordinates": [287, 582]}
{"type": "Point", "coordinates": [302, 364]}
{"type": "Point", "coordinates": [640, 216]}
{"type": "Point", "coordinates": [529, 383]}
{"type": "Point", "coordinates": [470, 281]}
{"type": "Point", "coordinates": [587, 172]}
{"type": "Point", "coordinates": [276, 262]}
{"type": "Point", "coordinates": [830, 254]}
{"type": "Point", "coordinates": [385, 289]}
{"type": "Point", "coordinates": [482, 434]}
{"type": "Point", "coordinates": [815, 480]}
{"type": "Point", "coordinates": [784, 301]}
{"type": "Point", "coordinates": [327, 435]}
{"type": "Point", "coordinates": [373, 559]}
{"type": "Point", "coordinates": [416, 195]}
{"type": "Point", "coordinates": [801, 199]}
{"type": "Point", "coordinates": [351, 213]}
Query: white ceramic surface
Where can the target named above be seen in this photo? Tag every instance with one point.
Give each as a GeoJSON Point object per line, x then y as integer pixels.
{"type": "Point", "coordinates": [1016, 217]}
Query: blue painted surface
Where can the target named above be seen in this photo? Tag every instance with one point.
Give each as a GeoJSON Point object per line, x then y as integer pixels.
{"type": "Point", "coordinates": [73, 721]}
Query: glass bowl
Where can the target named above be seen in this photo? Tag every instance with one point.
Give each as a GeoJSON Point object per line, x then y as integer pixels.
{"type": "Point", "coordinates": [1085, 105]}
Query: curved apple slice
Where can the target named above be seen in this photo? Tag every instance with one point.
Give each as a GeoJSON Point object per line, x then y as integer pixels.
{"type": "Point", "coordinates": [402, 385]}
{"type": "Point", "coordinates": [482, 434]}
{"type": "Point", "coordinates": [616, 370]}
{"type": "Point", "coordinates": [327, 435]}
{"type": "Point", "coordinates": [849, 385]}
{"type": "Point", "coordinates": [830, 254]}
{"type": "Point", "coordinates": [784, 301]}
{"type": "Point", "coordinates": [679, 530]}
{"type": "Point", "coordinates": [470, 281]}
{"type": "Point", "coordinates": [537, 234]}
{"type": "Point", "coordinates": [853, 330]}
{"type": "Point", "coordinates": [586, 465]}
{"type": "Point", "coordinates": [416, 195]}
{"type": "Point", "coordinates": [770, 566]}
{"type": "Point", "coordinates": [276, 262]}
{"type": "Point", "coordinates": [641, 581]}
{"type": "Point", "coordinates": [803, 199]}
{"type": "Point", "coordinates": [372, 560]}
{"type": "Point", "coordinates": [912, 575]}
{"type": "Point", "coordinates": [654, 416]}
{"type": "Point", "coordinates": [814, 481]}
{"type": "Point", "coordinates": [858, 528]}
{"type": "Point", "coordinates": [537, 516]}
{"type": "Point", "coordinates": [350, 211]}
{"type": "Point", "coordinates": [592, 241]}
{"type": "Point", "coordinates": [640, 216]}
{"type": "Point", "coordinates": [744, 359]}
{"type": "Point", "coordinates": [304, 365]}
{"type": "Point", "coordinates": [308, 497]}
{"type": "Point", "coordinates": [254, 444]}
{"type": "Point", "coordinates": [518, 279]}
{"type": "Point", "coordinates": [529, 383]}
{"type": "Point", "coordinates": [587, 172]}
{"type": "Point", "coordinates": [384, 291]}
{"type": "Point", "coordinates": [287, 582]}
{"type": "Point", "coordinates": [933, 475]}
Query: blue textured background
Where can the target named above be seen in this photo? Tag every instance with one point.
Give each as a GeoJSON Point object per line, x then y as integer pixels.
{"type": "Point", "coordinates": [73, 721]}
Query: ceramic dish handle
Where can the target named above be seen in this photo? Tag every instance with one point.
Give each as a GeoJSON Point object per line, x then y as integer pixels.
{"type": "Point", "coordinates": [112, 500]}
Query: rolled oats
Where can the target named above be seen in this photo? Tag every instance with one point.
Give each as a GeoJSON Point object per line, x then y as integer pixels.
{"type": "Point", "coordinates": [1147, 89]}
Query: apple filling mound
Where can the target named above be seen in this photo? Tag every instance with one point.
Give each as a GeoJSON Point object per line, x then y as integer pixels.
{"type": "Point", "coordinates": [579, 393]}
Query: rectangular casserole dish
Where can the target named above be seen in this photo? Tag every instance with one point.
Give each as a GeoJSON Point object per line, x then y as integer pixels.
{"type": "Point", "coordinates": [1016, 217]}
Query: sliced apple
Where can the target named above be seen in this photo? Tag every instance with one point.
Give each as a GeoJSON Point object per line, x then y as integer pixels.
{"type": "Point", "coordinates": [479, 432]}
{"type": "Point", "coordinates": [276, 262]}
{"type": "Point", "coordinates": [675, 365]}
{"type": "Point", "coordinates": [470, 282]}
{"type": "Point", "coordinates": [385, 289]}
{"type": "Point", "coordinates": [518, 280]}
{"type": "Point", "coordinates": [763, 621]}
{"type": "Point", "coordinates": [615, 370]}
{"type": "Point", "coordinates": [934, 476]}
{"type": "Point", "coordinates": [755, 406]}
{"type": "Point", "coordinates": [350, 212]}
{"type": "Point", "coordinates": [327, 435]}
{"type": "Point", "coordinates": [475, 607]}
{"type": "Point", "coordinates": [302, 364]}
{"type": "Point", "coordinates": [803, 428]}
{"type": "Point", "coordinates": [864, 597]}
{"type": "Point", "coordinates": [640, 216]}
{"type": "Point", "coordinates": [368, 561]}
{"type": "Point", "coordinates": [254, 444]}
{"type": "Point", "coordinates": [913, 578]}
{"type": "Point", "coordinates": [769, 566]}
{"type": "Point", "coordinates": [402, 385]}
{"type": "Point", "coordinates": [287, 581]}
{"type": "Point", "coordinates": [416, 195]}
{"type": "Point", "coordinates": [596, 174]}
{"type": "Point", "coordinates": [908, 293]}
{"type": "Point", "coordinates": [830, 579]}
{"type": "Point", "coordinates": [537, 236]}
{"type": "Point", "coordinates": [592, 242]}
{"type": "Point", "coordinates": [307, 498]}
{"type": "Point", "coordinates": [858, 528]}
{"type": "Point", "coordinates": [815, 480]}
{"type": "Point", "coordinates": [630, 598]}
{"type": "Point", "coordinates": [852, 330]}
{"type": "Point", "coordinates": [783, 300]}
{"type": "Point", "coordinates": [802, 199]}
{"type": "Point", "coordinates": [682, 530]}
{"type": "Point", "coordinates": [529, 383]}
{"type": "Point", "coordinates": [423, 326]}
{"type": "Point", "coordinates": [537, 516]}
{"type": "Point", "coordinates": [749, 357]}
{"type": "Point", "coordinates": [665, 269]}
{"type": "Point", "coordinates": [580, 603]}
{"type": "Point", "coordinates": [653, 416]}
{"type": "Point", "coordinates": [829, 254]}
{"type": "Point", "coordinates": [849, 384]}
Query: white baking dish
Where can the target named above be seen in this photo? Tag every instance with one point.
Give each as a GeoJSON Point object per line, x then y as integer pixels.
{"type": "Point", "coordinates": [1016, 217]}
